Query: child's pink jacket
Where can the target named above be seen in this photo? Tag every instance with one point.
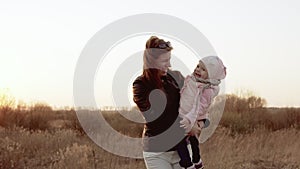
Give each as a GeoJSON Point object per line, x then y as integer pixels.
{"type": "Point", "coordinates": [195, 99]}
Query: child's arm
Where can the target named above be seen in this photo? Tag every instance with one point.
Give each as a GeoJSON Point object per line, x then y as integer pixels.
{"type": "Point", "coordinates": [200, 115]}
{"type": "Point", "coordinates": [188, 97]}
{"type": "Point", "coordinates": [204, 100]}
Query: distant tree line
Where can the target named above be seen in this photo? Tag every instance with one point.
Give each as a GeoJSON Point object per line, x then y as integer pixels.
{"type": "Point", "coordinates": [243, 103]}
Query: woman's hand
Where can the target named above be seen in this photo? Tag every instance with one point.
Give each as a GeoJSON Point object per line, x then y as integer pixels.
{"type": "Point", "coordinates": [197, 127]}
{"type": "Point", "coordinates": [195, 130]}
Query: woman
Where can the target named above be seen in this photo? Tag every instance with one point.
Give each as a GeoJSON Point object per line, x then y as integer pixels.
{"type": "Point", "coordinates": [156, 93]}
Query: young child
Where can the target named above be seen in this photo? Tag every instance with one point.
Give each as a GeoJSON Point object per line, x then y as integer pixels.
{"type": "Point", "coordinates": [198, 92]}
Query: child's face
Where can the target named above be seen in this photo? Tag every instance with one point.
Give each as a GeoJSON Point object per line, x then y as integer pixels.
{"type": "Point", "coordinates": [201, 71]}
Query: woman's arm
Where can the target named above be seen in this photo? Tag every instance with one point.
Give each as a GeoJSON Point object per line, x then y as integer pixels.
{"type": "Point", "coordinates": [178, 77]}
{"type": "Point", "coordinates": [140, 96]}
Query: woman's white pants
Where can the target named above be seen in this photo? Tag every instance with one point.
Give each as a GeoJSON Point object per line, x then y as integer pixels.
{"type": "Point", "coordinates": [162, 160]}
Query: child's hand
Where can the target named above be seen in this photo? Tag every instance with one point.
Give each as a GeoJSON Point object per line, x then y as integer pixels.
{"type": "Point", "coordinates": [201, 124]}
{"type": "Point", "coordinates": [185, 123]}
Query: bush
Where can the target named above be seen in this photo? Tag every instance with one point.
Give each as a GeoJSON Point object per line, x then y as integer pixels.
{"type": "Point", "coordinates": [243, 103]}
{"type": "Point", "coordinates": [32, 120]}
{"type": "Point", "coordinates": [74, 123]}
{"type": "Point", "coordinates": [271, 119]}
{"type": "Point", "coordinates": [118, 120]}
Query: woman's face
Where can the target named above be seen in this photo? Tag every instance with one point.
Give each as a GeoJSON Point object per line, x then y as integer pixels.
{"type": "Point", "coordinates": [163, 63]}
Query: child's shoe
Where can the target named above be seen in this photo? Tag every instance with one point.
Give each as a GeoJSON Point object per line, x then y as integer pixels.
{"type": "Point", "coordinates": [199, 165]}
{"type": "Point", "coordinates": [191, 167]}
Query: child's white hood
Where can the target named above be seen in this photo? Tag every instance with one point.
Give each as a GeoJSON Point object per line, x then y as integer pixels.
{"type": "Point", "coordinates": [215, 67]}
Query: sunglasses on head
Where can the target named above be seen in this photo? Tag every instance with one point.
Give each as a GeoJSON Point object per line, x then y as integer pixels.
{"type": "Point", "coordinates": [165, 45]}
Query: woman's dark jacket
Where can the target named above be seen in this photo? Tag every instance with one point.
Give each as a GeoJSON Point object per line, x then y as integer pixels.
{"type": "Point", "coordinates": [160, 111]}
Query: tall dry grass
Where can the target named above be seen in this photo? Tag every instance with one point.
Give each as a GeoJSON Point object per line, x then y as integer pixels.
{"type": "Point", "coordinates": [270, 119]}
{"type": "Point", "coordinates": [260, 149]}
{"type": "Point", "coordinates": [251, 138]}
{"type": "Point", "coordinates": [64, 148]}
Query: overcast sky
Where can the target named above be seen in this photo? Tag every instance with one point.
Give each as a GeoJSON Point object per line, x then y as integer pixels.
{"type": "Point", "coordinates": [40, 42]}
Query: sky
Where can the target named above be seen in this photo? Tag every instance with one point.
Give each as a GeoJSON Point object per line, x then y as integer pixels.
{"type": "Point", "coordinates": [41, 41]}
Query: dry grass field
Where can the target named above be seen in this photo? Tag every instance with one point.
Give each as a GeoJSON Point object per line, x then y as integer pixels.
{"type": "Point", "coordinates": [39, 137]}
